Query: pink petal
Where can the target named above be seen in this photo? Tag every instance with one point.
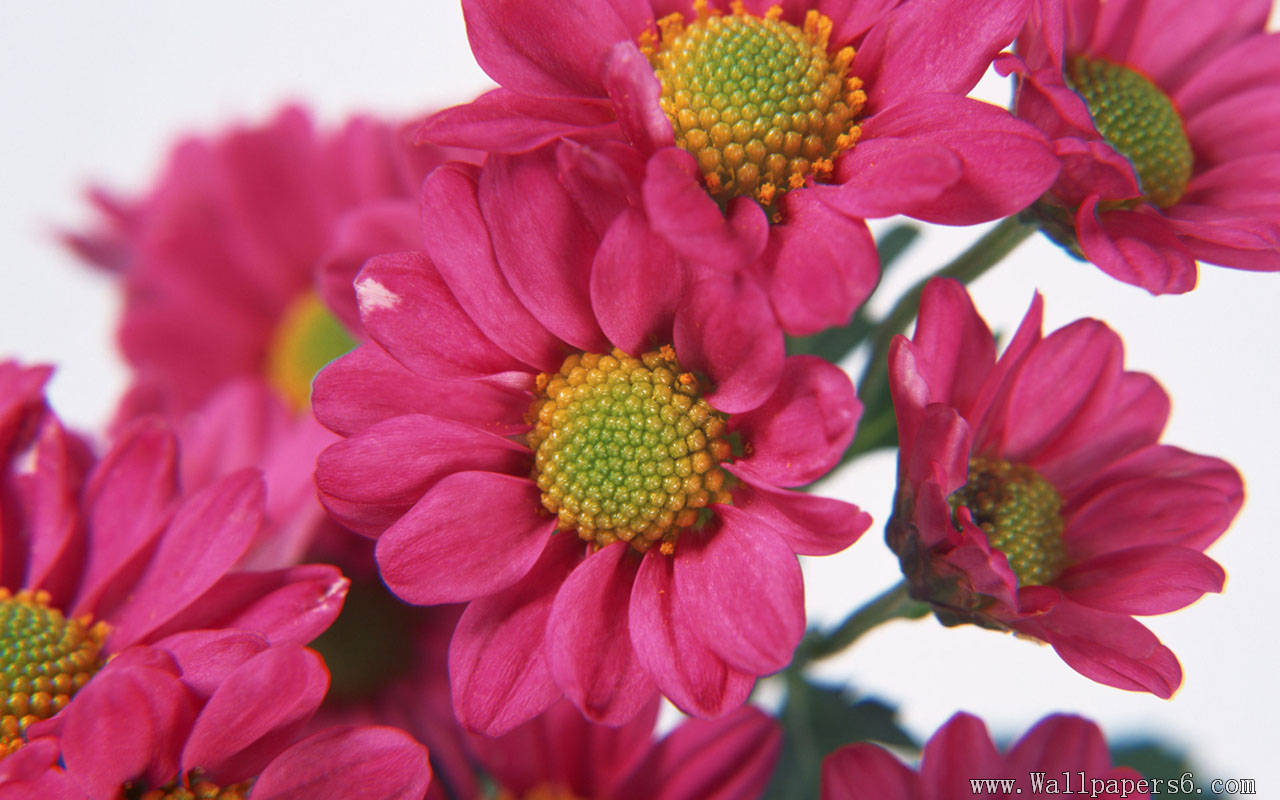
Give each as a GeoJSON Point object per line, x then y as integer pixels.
{"type": "Point", "coordinates": [372, 479]}
{"type": "Point", "coordinates": [367, 386]}
{"type": "Point", "coordinates": [866, 771]}
{"type": "Point", "coordinates": [959, 750]}
{"type": "Point", "coordinates": [545, 48]}
{"type": "Point", "coordinates": [497, 665]}
{"type": "Point", "coordinates": [680, 209]}
{"type": "Point", "coordinates": [208, 534]}
{"type": "Point", "coordinates": [1237, 126]}
{"type": "Point", "coordinates": [257, 710]}
{"type": "Point", "coordinates": [127, 723]}
{"type": "Point", "coordinates": [21, 404]}
{"type": "Point", "coordinates": [1245, 239]}
{"type": "Point", "coordinates": [603, 179]}
{"type": "Point", "coordinates": [54, 526]}
{"type": "Point", "coordinates": [726, 330]}
{"type": "Point", "coordinates": [207, 657]}
{"type": "Point", "coordinates": [473, 534]}
{"type": "Point", "coordinates": [801, 431]}
{"type": "Point", "coordinates": [921, 48]}
{"type": "Point", "coordinates": [636, 282]}
{"type": "Point", "coordinates": [1251, 62]}
{"type": "Point", "coordinates": [887, 175]}
{"type": "Point", "coordinates": [809, 524]}
{"type": "Point", "coordinates": [348, 763]}
{"type": "Point", "coordinates": [129, 497]}
{"type": "Point", "coordinates": [988, 422]}
{"type": "Point", "coordinates": [697, 680]}
{"type": "Point", "coordinates": [940, 449]}
{"type": "Point", "coordinates": [407, 308]}
{"type": "Point", "coordinates": [825, 265]}
{"type": "Point", "coordinates": [544, 249]}
{"type": "Point", "coordinates": [731, 757]}
{"type": "Point", "coordinates": [503, 121]}
{"type": "Point", "coordinates": [1174, 38]}
{"type": "Point", "coordinates": [742, 591]}
{"type": "Point", "coordinates": [459, 243]}
{"type": "Point", "coordinates": [1135, 247]}
{"type": "Point", "coordinates": [385, 226]}
{"type": "Point", "coordinates": [1058, 744]}
{"type": "Point", "coordinates": [589, 648]}
{"type": "Point", "coordinates": [636, 91]}
{"type": "Point", "coordinates": [954, 348]}
{"type": "Point", "coordinates": [1155, 579]}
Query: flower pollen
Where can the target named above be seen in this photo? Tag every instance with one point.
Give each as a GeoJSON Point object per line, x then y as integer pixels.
{"type": "Point", "coordinates": [1140, 122]}
{"type": "Point", "coordinates": [45, 658]}
{"type": "Point", "coordinates": [1021, 515]}
{"type": "Point", "coordinates": [307, 338]}
{"type": "Point", "coordinates": [626, 449]}
{"type": "Point", "coordinates": [759, 102]}
{"type": "Point", "coordinates": [193, 787]}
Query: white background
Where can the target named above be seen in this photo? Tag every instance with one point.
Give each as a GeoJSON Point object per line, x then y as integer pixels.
{"type": "Point", "coordinates": [95, 91]}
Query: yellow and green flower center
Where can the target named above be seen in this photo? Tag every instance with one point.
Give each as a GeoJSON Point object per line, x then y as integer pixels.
{"type": "Point", "coordinates": [307, 338]}
{"type": "Point", "coordinates": [193, 787]}
{"type": "Point", "coordinates": [626, 449]}
{"type": "Point", "coordinates": [759, 102]}
{"type": "Point", "coordinates": [45, 658]}
{"type": "Point", "coordinates": [1021, 515]}
{"type": "Point", "coordinates": [1140, 122]}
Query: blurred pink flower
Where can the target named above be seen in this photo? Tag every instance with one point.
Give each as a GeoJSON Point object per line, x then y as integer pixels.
{"type": "Point", "coordinates": [962, 751]}
{"type": "Point", "coordinates": [1164, 114]}
{"type": "Point", "coordinates": [1033, 494]}
{"type": "Point", "coordinates": [690, 583]}
{"type": "Point", "coordinates": [560, 754]}
{"type": "Point", "coordinates": [758, 139]}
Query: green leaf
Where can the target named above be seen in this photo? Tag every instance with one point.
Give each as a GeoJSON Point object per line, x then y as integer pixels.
{"type": "Point", "coordinates": [819, 719]}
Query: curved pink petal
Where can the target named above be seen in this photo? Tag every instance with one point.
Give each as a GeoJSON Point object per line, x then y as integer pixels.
{"type": "Point", "coordinates": [145, 715]}
{"type": "Point", "coordinates": [603, 178]}
{"type": "Point", "coordinates": [741, 590]}
{"type": "Point", "coordinates": [953, 347]}
{"type": "Point", "coordinates": [825, 265]}
{"type": "Point", "coordinates": [208, 534]}
{"type": "Point", "coordinates": [1005, 164]}
{"type": "Point", "coordinates": [1154, 579]}
{"type": "Point", "coordinates": [636, 283]}
{"type": "Point", "coordinates": [724, 759]}
{"type": "Point", "coordinates": [1135, 247]}
{"type": "Point", "coordinates": [504, 121]}
{"type": "Point", "coordinates": [866, 771]}
{"type": "Point", "coordinates": [921, 48]}
{"type": "Point", "coordinates": [473, 534]}
{"type": "Point", "coordinates": [129, 499]}
{"type": "Point", "coordinates": [680, 209]}
{"type": "Point", "coordinates": [22, 403]}
{"type": "Point", "coordinates": [1109, 648]}
{"type": "Point", "coordinates": [54, 524]}
{"type": "Point", "coordinates": [890, 175]}
{"type": "Point", "coordinates": [988, 422]}
{"type": "Point", "coordinates": [385, 226]}
{"type": "Point", "coordinates": [726, 330]}
{"type": "Point", "coordinates": [348, 763]}
{"type": "Point", "coordinates": [635, 91]}
{"type": "Point", "coordinates": [498, 669]}
{"type": "Point", "coordinates": [697, 680]}
{"type": "Point", "coordinates": [541, 47]}
{"type": "Point", "coordinates": [810, 525]}
{"type": "Point", "coordinates": [1237, 126]}
{"type": "Point", "coordinates": [458, 242]}
{"type": "Point", "coordinates": [959, 750]}
{"type": "Point", "coordinates": [1241, 240]}
{"type": "Point", "coordinates": [407, 308]}
{"type": "Point", "coordinates": [1058, 744]}
{"type": "Point", "coordinates": [800, 432]}
{"type": "Point", "coordinates": [206, 657]}
{"type": "Point", "coordinates": [589, 641]}
{"type": "Point", "coordinates": [257, 710]}
{"type": "Point", "coordinates": [543, 248]}
{"type": "Point", "coordinates": [373, 478]}
{"type": "Point", "coordinates": [1173, 39]}
{"type": "Point", "coordinates": [1251, 62]}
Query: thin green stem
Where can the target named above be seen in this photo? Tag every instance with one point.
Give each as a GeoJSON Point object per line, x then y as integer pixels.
{"type": "Point", "coordinates": [895, 603]}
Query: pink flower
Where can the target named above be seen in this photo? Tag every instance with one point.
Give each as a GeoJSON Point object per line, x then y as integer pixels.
{"type": "Point", "coordinates": [102, 554]}
{"type": "Point", "coordinates": [1033, 494]}
{"type": "Point", "coordinates": [226, 715]}
{"type": "Point", "coordinates": [560, 754]}
{"type": "Point", "coordinates": [771, 164]}
{"type": "Point", "coordinates": [1164, 117]}
{"type": "Point", "coordinates": [689, 583]}
{"type": "Point", "coordinates": [1057, 750]}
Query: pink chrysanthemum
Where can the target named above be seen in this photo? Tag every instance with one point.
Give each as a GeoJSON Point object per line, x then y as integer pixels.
{"type": "Point", "coordinates": [101, 554]}
{"type": "Point", "coordinates": [221, 720]}
{"type": "Point", "coordinates": [1033, 494]}
{"type": "Point", "coordinates": [560, 755]}
{"type": "Point", "coordinates": [1164, 114]}
{"type": "Point", "coordinates": [663, 557]}
{"type": "Point", "coordinates": [1059, 748]}
{"type": "Point", "coordinates": [760, 139]}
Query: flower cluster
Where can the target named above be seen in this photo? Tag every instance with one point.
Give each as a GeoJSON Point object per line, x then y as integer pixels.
{"type": "Point", "coordinates": [454, 446]}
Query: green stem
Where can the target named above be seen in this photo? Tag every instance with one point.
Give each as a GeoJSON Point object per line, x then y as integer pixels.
{"type": "Point", "coordinates": [895, 603]}
{"type": "Point", "coordinates": [877, 428]}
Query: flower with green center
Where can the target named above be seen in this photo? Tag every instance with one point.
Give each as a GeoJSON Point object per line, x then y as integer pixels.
{"type": "Point", "coordinates": [45, 658]}
{"type": "Point", "coordinates": [1163, 115]}
{"type": "Point", "coordinates": [1034, 495]}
